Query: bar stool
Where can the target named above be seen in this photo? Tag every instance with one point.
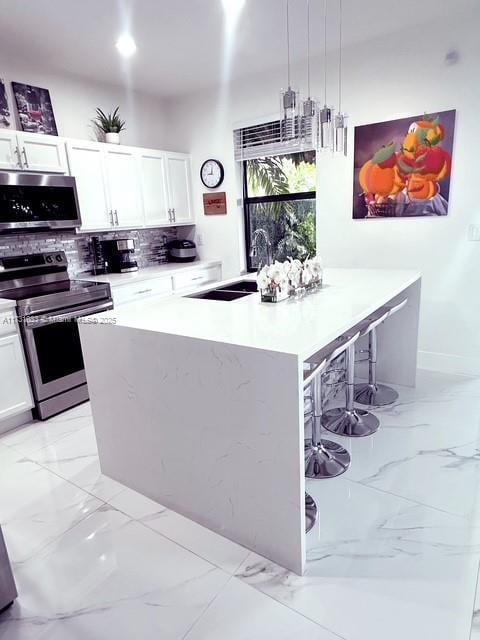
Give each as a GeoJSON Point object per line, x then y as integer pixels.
{"type": "Point", "coordinates": [349, 421]}
{"type": "Point", "coordinates": [311, 512]}
{"type": "Point", "coordinates": [324, 458]}
{"type": "Point", "coordinates": [372, 393]}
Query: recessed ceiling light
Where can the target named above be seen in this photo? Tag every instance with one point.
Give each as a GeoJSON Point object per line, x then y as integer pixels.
{"type": "Point", "coordinates": [126, 46]}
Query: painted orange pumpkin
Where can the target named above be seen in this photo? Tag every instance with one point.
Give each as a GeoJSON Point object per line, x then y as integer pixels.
{"type": "Point", "coordinates": [420, 189]}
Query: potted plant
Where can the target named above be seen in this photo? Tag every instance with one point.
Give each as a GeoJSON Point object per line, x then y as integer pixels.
{"type": "Point", "coordinates": [110, 125]}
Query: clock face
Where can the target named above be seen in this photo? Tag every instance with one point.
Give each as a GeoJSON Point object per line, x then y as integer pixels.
{"type": "Point", "coordinates": [212, 173]}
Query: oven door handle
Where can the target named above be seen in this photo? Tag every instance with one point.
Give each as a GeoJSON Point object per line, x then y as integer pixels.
{"type": "Point", "coordinates": [31, 322]}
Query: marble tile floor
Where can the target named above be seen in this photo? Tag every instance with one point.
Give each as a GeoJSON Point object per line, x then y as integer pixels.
{"type": "Point", "coordinates": [396, 553]}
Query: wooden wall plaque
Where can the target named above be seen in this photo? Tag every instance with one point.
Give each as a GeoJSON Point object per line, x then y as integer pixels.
{"type": "Point", "coordinates": [215, 204]}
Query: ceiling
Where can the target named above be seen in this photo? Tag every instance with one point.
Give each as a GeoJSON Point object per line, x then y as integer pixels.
{"type": "Point", "coordinates": [181, 42]}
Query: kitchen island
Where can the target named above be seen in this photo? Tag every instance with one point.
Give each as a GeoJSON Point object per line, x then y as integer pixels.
{"type": "Point", "coordinates": [198, 404]}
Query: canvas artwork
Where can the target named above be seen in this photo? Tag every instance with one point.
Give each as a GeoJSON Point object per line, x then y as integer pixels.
{"type": "Point", "coordinates": [34, 109]}
{"type": "Point", "coordinates": [403, 167]}
{"type": "Point", "coordinates": [5, 115]}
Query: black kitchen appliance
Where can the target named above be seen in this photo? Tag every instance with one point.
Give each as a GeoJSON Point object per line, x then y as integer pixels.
{"type": "Point", "coordinates": [49, 305]}
{"type": "Point", "coordinates": [35, 201]}
{"type": "Point", "coordinates": [181, 251]}
{"type": "Point", "coordinates": [118, 255]}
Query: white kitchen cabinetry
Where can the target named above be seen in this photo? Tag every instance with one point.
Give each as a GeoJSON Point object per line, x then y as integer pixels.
{"type": "Point", "coordinates": [196, 278]}
{"type": "Point", "coordinates": [15, 395]}
{"type": "Point", "coordinates": [140, 290]}
{"type": "Point", "coordinates": [85, 161]}
{"type": "Point", "coordinates": [9, 152]}
{"type": "Point", "coordinates": [153, 184]}
{"type": "Point", "coordinates": [123, 186]}
{"type": "Point", "coordinates": [32, 152]}
{"type": "Point", "coordinates": [179, 187]}
{"type": "Point", "coordinates": [42, 153]}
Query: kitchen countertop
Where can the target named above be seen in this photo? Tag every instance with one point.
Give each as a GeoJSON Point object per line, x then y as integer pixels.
{"type": "Point", "coordinates": [299, 327]}
{"type": "Point", "coordinates": [215, 391]}
{"type": "Point", "coordinates": [145, 273]}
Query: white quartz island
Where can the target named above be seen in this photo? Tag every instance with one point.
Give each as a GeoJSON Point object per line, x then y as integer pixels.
{"type": "Point", "coordinates": [198, 403]}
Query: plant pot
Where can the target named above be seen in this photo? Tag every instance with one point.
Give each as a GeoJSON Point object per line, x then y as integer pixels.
{"type": "Point", "coordinates": [112, 138]}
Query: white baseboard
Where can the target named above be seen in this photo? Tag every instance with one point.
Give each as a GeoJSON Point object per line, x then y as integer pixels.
{"type": "Point", "coordinates": [449, 363]}
{"type": "Point", "coordinates": [15, 421]}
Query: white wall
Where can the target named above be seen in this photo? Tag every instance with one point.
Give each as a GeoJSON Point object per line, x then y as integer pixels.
{"type": "Point", "coordinates": [74, 102]}
{"type": "Point", "coordinates": [397, 76]}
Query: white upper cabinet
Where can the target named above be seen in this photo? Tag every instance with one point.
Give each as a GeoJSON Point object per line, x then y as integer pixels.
{"type": "Point", "coordinates": [127, 187]}
{"type": "Point", "coordinates": [9, 152]}
{"type": "Point", "coordinates": [42, 153]}
{"type": "Point", "coordinates": [86, 164]}
{"type": "Point", "coordinates": [179, 187]}
{"type": "Point", "coordinates": [153, 183]}
{"type": "Point", "coordinates": [123, 186]}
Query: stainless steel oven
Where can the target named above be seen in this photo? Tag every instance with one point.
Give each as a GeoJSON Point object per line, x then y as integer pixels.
{"type": "Point", "coordinates": [54, 352]}
{"type": "Point", "coordinates": [49, 307]}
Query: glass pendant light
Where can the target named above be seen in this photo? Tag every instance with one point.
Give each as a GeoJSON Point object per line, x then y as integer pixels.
{"type": "Point", "coordinates": [309, 105]}
{"type": "Point", "coordinates": [341, 131]}
{"type": "Point", "coordinates": [289, 98]}
{"type": "Point", "coordinates": [325, 114]}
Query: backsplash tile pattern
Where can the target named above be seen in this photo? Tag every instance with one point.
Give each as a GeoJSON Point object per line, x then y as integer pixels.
{"type": "Point", "coordinates": [150, 246]}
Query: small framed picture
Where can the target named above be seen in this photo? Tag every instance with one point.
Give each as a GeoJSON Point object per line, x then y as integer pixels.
{"type": "Point", "coordinates": [34, 108]}
{"type": "Point", "coordinates": [5, 114]}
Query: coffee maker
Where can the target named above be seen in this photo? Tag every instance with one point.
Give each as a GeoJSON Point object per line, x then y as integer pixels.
{"type": "Point", "coordinates": [117, 255]}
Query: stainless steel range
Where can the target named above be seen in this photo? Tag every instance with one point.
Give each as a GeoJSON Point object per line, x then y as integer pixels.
{"type": "Point", "coordinates": [49, 305]}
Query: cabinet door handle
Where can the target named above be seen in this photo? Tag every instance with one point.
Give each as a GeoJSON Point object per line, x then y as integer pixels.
{"type": "Point", "coordinates": [143, 291]}
{"type": "Point", "coordinates": [19, 157]}
{"type": "Point", "coordinates": [25, 157]}
{"type": "Point", "coordinates": [197, 278]}
{"type": "Point", "coordinates": [169, 215]}
{"type": "Point", "coordinates": [116, 217]}
{"type": "Point", "coordinates": [110, 213]}
{"type": "Point", "coordinates": [173, 212]}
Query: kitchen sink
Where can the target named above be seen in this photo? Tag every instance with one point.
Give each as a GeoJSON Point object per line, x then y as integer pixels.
{"type": "Point", "coordinates": [221, 294]}
{"type": "Point", "coordinates": [241, 285]}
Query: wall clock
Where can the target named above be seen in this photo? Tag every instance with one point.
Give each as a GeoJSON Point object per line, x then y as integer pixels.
{"type": "Point", "coordinates": [212, 173]}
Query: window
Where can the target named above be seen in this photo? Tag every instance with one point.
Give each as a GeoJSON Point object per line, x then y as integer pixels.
{"type": "Point", "coordinates": [279, 197]}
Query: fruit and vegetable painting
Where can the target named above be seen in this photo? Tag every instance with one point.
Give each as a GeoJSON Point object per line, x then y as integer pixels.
{"type": "Point", "coordinates": [403, 167]}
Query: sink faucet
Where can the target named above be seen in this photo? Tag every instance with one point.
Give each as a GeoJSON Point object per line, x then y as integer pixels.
{"type": "Point", "coordinates": [261, 233]}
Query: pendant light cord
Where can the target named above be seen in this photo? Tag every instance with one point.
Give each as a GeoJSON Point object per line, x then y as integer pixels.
{"type": "Point", "coordinates": [340, 58]}
{"type": "Point", "coordinates": [325, 48]}
{"type": "Point", "coordinates": [288, 47]}
{"type": "Point", "coordinates": [308, 48]}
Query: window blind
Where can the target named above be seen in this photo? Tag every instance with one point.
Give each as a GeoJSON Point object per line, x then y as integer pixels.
{"type": "Point", "coordinates": [273, 139]}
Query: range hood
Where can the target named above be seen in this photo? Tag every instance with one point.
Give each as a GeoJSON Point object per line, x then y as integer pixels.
{"type": "Point", "coordinates": [35, 201]}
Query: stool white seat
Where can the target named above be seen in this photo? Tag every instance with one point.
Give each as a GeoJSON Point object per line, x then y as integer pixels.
{"type": "Point", "coordinates": [372, 393]}
{"type": "Point", "coordinates": [324, 458]}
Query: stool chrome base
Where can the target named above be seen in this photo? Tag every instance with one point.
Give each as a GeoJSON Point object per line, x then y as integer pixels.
{"type": "Point", "coordinates": [326, 460]}
{"type": "Point", "coordinates": [356, 423]}
{"type": "Point", "coordinates": [375, 395]}
{"type": "Point", "coordinates": [311, 512]}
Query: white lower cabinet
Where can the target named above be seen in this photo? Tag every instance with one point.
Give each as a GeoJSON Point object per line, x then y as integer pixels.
{"type": "Point", "coordinates": [165, 285]}
{"type": "Point", "coordinates": [196, 278]}
{"type": "Point", "coordinates": [133, 292]}
{"type": "Point", "coordinates": [15, 394]}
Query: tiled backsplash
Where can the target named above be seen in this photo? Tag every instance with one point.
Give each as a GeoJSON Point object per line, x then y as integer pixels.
{"type": "Point", "coordinates": [149, 245]}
